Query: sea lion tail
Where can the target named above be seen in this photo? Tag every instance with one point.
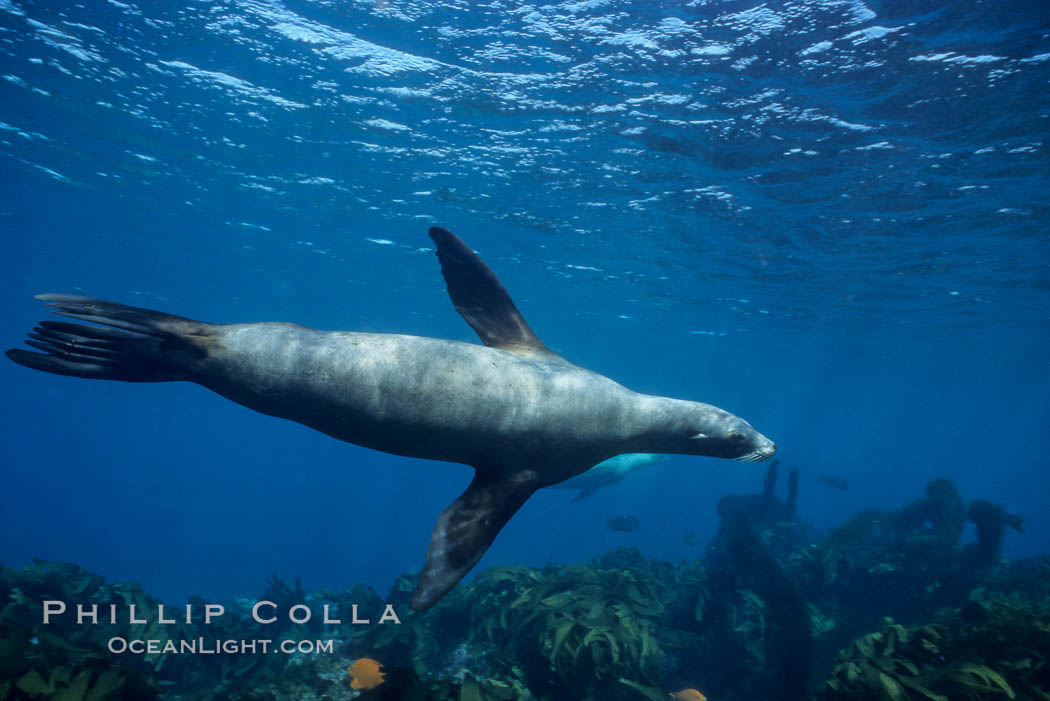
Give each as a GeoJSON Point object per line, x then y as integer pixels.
{"type": "Point", "coordinates": [466, 529]}
{"type": "Point", "coordinates": [140, 345]}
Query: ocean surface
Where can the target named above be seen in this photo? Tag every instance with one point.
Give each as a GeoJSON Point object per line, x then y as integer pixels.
{"type": "Point", "coordinates": [828, 217]}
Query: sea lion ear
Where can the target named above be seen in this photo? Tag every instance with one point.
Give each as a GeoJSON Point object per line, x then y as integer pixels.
{"type": "Point", "coordinates": [479, 296]}
{"type": "Point", "coordinates": [466, 529]}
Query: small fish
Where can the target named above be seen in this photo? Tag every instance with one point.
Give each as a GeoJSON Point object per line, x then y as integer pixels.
{"type": "Point", "coordinates": [690, 539]}
{"type": "Point", "coordinates": [687, 695]}
{"type": "Point", "coordinates": [365, 674]}
{"type": "Point", "coordinates": [834, 482]}
{"type": "Point", "coordinates": [622, 523]}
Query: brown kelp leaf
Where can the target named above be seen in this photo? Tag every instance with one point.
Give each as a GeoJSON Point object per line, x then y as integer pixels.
{"type": "Point", "coordinates": [994, 677]}
{"type": "Point", "coordinates": [49, 640]}
{"type": "Point", "coordinates": [647, 691]}
{"type": "Point", "coordinates": [930, 632]}
{"type": "Point", "coordinates": [892, 688]}
{"type": "Point", "coordinates": [865, 646]}
{"type": "Point", "coordinates": [470, 691]}
{"type": "Point", "coordinates": [558, 600]}
{"type": "Point", "coordinates": [891, 637]}
{"type": "Point", "coordinates": [495, 575]}
{"type": "Point", "coordinates": [912, 668]}
{"type": "Point", "coordinates": [108, 682]}
{"type": "Point", "coordinates": [597, 611]}
{"type": "Point", "coordinates": [61, 675]}
{"type": "Point", "coordinates": [523, 598]}
{"type": "Point", "coordinates": [916, 685]}
{"type": "Point", "coordinates": [503, 613]}
{"type": "Point", "coordinates": [522, 623]}
{"type": "Point", "coordinates": [33, 684]}
{"type": "Point", "coordinates": [871, 674]}
{"type": "Point", "coordinates": [499, 691]}
{"type": "Point", "coordinates": [647, 643]}
{"type": "Point", "coordinates": [992, 680]}
{"type": "Point", "coordinates": [701, 603]}
{"type": "Point", "coordinates": [560, 634]}
{"type": "Point", "coordinates": [614, 647]}
{"type": "Point", "coordinates": [77, 689]}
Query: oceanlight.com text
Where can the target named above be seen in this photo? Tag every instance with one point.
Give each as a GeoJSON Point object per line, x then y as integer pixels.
{"type": "Point", "coordinates": [202, 646]}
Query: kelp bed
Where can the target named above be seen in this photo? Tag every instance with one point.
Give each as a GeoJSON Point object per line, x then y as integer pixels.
{"type": "Point", "coordinates": [987, 650]}
{"type": "Point", "coordinates": [889, 606]}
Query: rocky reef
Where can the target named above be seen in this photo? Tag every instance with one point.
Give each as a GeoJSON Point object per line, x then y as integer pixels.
{"type": "Point", "coordinates": [890, 605]}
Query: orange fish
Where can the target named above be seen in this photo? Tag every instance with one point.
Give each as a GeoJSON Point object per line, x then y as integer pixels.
{"type": "Point", "coordinates": [687, 695]}
{"type": "Point", "coordinates": [365, 674]}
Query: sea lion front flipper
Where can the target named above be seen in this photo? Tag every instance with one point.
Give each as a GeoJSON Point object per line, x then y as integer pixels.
{"type": "Point", "coordinates": [466, 529]}
{"type": "Point", "coordinates": [479, 296]}
{"type": "Point", "coordinates": [583, 494]}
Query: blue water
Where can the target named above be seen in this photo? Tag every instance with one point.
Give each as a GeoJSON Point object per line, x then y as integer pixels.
{"type": "Point", "coordinates": [827, 217]}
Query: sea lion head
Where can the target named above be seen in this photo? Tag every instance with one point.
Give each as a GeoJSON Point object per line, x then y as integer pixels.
{"type": "Point", "coordinates": [716, 433]}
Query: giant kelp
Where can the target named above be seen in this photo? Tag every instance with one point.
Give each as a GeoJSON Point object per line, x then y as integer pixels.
{"type": "Point", "coordinates": [579, 628]}
{"type": "Point", "coordinates": [573, 631]}
{"type": "Point", "coordinates": [67, 661]}
{"type": "Point", "coordinates": [996, 649]}
{"type": "Point", "coordinates": [768, 602]}
{"type": "Point", "coordinates": [62, 660]}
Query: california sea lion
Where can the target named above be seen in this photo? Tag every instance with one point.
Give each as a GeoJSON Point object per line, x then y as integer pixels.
{"type": "Point", "coordinates": [608, 473]}
{"type": "Point", "coordinates": [520, 415]}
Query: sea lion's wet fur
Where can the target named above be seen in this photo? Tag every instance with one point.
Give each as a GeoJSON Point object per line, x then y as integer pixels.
{"type": "Point", "coordinates": [522, 416]}
{"type": "Point", "coordinates": [424, 397]}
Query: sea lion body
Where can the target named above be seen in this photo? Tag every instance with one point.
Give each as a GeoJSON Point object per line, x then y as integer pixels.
{"type": "Point", "coordinates": [437, 399]}
{"type": "Point", "coordinates": [522, 416]}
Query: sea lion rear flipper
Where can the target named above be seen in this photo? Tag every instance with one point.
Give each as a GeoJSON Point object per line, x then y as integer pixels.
{"type": "Point", "coordinates": [129, 344]}
{"type": "Point", "coordinates": [479, 296]}
{"type": "Point", "coordinates": [466, 529]}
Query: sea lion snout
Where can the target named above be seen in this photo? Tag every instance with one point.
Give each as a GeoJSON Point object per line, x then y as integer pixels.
{"type": "Point", "coordinates": [724, 435]}
{"type": "Point", "coordinates": [754, 446]}
{"type": "Point", "coordinates": [765, 450]}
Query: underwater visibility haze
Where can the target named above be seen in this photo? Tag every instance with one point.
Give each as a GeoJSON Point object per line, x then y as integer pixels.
{"type": "Point", "coordinates": [828, 217]}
